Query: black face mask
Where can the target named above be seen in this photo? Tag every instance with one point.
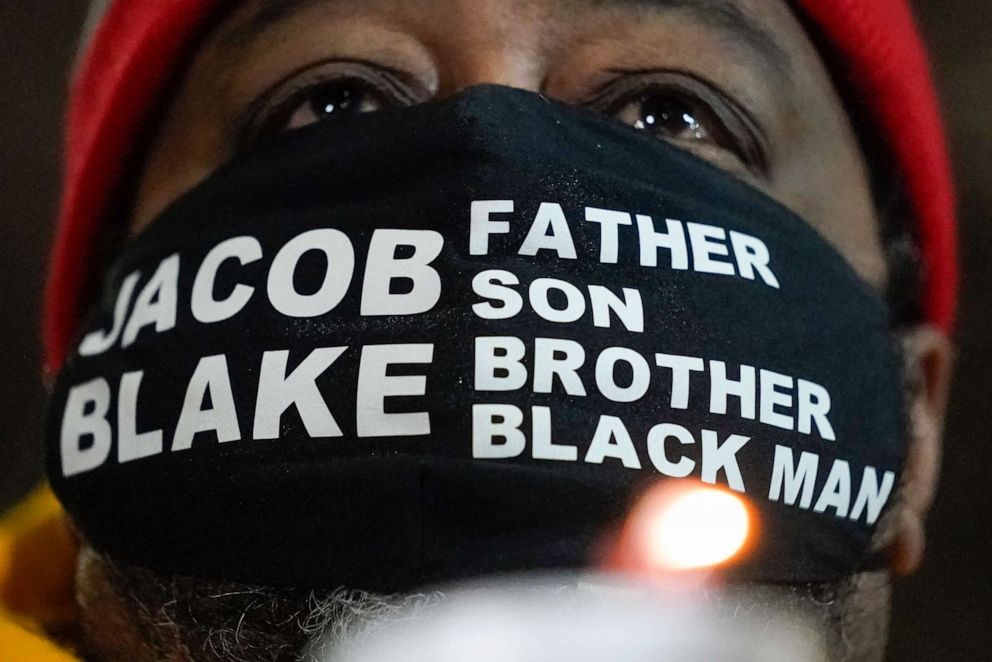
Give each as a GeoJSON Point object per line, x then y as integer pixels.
{"type": "Point", "coordinates": [459, 338]}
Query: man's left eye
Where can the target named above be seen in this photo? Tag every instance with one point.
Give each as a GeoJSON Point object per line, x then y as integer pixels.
{"type": "Point", "coordinates": [669, 116]}
{"type": "Point", "coordinates": [684, 111]}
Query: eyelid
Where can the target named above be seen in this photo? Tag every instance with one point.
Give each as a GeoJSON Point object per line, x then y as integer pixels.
{"type": "Point", "coordinates": [628, 83]}
{"type": "Point", "coordinates": [400, 86]}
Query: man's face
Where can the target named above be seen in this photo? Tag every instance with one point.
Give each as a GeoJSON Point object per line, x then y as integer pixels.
{"type": "Point", "coordinates": [737, 82]}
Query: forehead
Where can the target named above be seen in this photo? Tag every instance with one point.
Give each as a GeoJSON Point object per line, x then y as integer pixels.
{"type": "Point", "coordinates": [754, 24]}
{"type": "Point", "coordinates": [757, 44]}
{"type": "Point", "coordinates": [754, 47]}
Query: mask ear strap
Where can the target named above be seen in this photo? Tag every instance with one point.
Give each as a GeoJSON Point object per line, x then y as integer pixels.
{"type": "Point", "coordinates": [876, 561]}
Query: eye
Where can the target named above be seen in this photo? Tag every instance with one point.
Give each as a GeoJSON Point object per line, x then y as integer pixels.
{"type": "Point", "coordinates": [327, 92]}
{"type": "Point", "coordinates": [333, 99]}
{"type": "Point", "coordinates": [688, 112]}
{"type": "Point", "coordinates": [668, 116]}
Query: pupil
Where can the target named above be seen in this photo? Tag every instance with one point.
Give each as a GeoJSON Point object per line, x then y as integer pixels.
{"type": "Point", "coordinates": [668, 115]}
{"type": "Point", "coordinates": [334, 99]}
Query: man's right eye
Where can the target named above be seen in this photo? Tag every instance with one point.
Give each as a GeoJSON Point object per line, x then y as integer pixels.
{"type": "Point", "coordinates": [323, 93]}
{"type": "Point", "coordinates": [334, 99]}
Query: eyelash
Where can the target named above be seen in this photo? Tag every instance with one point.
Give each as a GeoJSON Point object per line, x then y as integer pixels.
{"type": "Point", "coordinates": [268, 114]}
{"type": "Point", "coordinates": [273, 110]}
{"type": "Point", "coordinates": [744, 133]}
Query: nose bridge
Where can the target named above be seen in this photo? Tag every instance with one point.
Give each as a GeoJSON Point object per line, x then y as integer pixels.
{"type": "Point", "coordinates": [488, 43]}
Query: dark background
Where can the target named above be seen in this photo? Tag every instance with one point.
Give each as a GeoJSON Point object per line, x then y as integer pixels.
{"type": "Point", "coordinates": [942, 614]}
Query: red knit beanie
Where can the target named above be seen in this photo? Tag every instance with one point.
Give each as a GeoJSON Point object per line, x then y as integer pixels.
{"type": "Point", "coordinates": [140, 44]}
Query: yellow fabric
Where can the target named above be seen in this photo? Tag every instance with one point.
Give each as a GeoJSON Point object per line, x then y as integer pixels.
{"type": "Point", "coordinates": [18, 644]}
{"type": "Point", "coordinates": [37, 559]}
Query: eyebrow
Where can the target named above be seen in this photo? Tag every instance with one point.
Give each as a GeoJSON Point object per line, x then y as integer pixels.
{"type": "Point", "coordinates": [269, 14]}
{"type": "Point", "coordinates": [728, 18]}
{"type": "Point", "coordinates": [725, 16]}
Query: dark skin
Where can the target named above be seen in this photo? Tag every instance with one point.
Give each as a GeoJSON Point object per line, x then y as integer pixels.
{"type": "Point", "coordinates": [738, 82]}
